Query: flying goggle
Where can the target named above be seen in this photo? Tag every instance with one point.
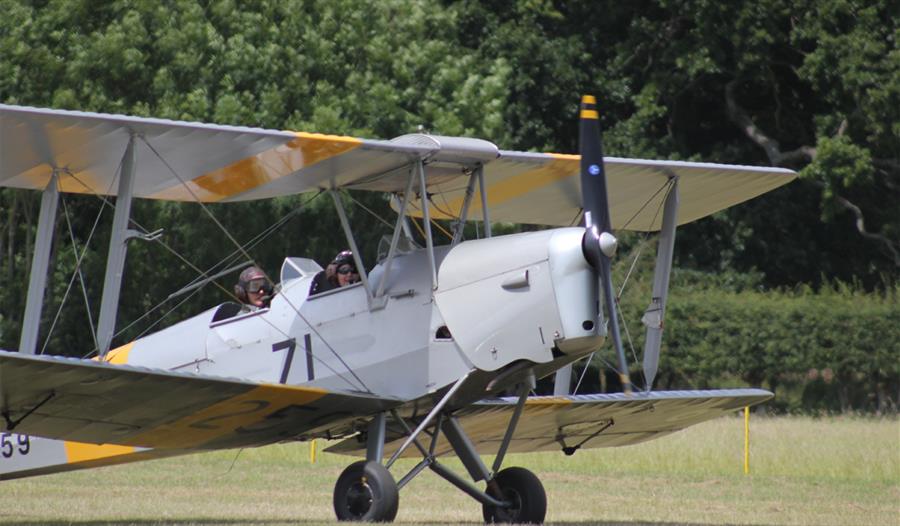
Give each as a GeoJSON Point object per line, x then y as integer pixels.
{"type": "Point", "coordinates": [257, 286]}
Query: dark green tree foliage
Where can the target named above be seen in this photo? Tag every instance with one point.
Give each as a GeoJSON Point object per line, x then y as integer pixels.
{"type": "Point", "coordinates": [331, 67]}
{"type": "Point", "coordinates": [809, 85]}
{"type": "Point", "coordinates": [814, 86]}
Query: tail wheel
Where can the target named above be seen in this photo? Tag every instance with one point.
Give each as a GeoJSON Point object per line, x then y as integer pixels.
{"type": "Point", "coordinates": [366, 492]}
{"type": "Point", "coordinates": [524, 491]}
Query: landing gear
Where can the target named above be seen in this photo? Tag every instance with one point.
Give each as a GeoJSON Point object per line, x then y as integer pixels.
{"type": "Point", "coordinates": [524, 494]}
{"type": "Point", "coordinates": [366, 492]}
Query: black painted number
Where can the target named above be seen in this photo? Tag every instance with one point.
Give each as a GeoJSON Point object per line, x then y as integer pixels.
{"type": "Point", "coordinates": [290, 345]}
{"type": "Point", "coordinates": [24, 444]}
{"type": "Point", "coordinates": [12, 443]}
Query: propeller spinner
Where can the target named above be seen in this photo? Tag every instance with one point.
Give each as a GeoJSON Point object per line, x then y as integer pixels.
{"type": "Point", "coordinates": [598, 243]}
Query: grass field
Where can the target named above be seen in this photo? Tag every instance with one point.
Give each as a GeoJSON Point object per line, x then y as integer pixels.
{"type": "Point", "coordinates": [803, 471]}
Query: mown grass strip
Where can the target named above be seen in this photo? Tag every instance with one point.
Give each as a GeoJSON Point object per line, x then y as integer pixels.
{"type": "Point", "coordinates": [803, 471]}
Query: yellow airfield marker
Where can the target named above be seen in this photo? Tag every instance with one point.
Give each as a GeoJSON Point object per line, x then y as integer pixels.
{"type": "Point", "coordinates": [312, 451]}
{"type": "Point", "coordinates": [747, 440]}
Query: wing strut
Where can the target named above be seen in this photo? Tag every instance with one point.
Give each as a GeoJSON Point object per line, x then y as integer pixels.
{"type": "Point", "coordinates": [37, 280]}
{"type": "Point", "coordinates": [655, 313]}
{"type": "Point", "coordinates": [485, 212]}
{"type": "Point", "coordinates": [348, 232]}
{"type": "Point", "coordinates": [395, 237]}
{"type": "Point", "coordinates": [115, 260]}
{"type": "Point", "coordinates": [460, 224]}
{"type": "Point", "coordinates": [426, 221]}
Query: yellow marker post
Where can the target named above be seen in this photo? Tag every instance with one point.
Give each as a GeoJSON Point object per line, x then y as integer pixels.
{"type": "Point", "coordinates": [312, 451]}
{"type": "Point", "coordinates": [747, 440]}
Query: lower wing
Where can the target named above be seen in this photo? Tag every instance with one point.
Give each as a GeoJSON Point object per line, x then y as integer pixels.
{"type": "Point", "coordinates": [573, 422]}
{"type": "Point", "coordinates": [99, 403]}
{"type": "Point", "coordinates": [28, 456]}
{"type": "Point", "coordinates": [62, 414]}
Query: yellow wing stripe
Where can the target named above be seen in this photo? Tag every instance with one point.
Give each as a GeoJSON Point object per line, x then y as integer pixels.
{"type": "Point", "coordinates": [224, 418]}
{"type": "Point", "coordinates": [305, 150]}
{"type": "Point", "coordinates": [548, 401]}
{"type": "Point", "coordinates": [81, 452]}
{"type": "Point", "coordinates": [560, 167]}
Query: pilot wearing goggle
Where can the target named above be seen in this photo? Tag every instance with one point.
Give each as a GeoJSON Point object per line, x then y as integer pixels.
{"type": "Point", "coordinates": [339, 273]}
{"type": "Point", "coordinates": [253, 288]}
{"type": "Point", "coordinates": [345, 269]}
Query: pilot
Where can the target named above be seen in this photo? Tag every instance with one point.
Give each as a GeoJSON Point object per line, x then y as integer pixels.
{"type": "Point", "coordinates": [331, 278]}
{"type": "Point", "coordinates": [345, 269]}
{"type": "Point", "coordinates": [254, 289]}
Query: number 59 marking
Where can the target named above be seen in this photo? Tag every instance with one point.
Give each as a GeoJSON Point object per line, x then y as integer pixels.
{"type": "Point", "coordinates": [12, 443]}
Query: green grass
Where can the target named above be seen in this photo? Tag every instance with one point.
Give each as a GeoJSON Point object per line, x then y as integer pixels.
{"type": "Point", "coordinates": [803, 471]}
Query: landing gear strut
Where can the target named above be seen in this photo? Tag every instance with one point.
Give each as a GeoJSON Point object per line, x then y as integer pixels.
{"type": "Point", "coordinates": [366, 491]}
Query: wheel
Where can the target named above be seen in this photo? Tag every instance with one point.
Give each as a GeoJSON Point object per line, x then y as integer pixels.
{"type": "Point", "coordinates": [366, 492]}
{"type": "Point", "coordinates": [526, 493]}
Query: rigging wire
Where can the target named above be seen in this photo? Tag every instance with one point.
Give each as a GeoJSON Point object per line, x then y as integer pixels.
{"type": "Point", "coordinates": [244, 252]}
{"type": "Point", "coordinates": [587, 364]}
{"type": "Point", "coordinates": [446, 213]}
{"type": "Point", "coordinates": [370, 211]}
{"type": "Point", "coordinates": [256, 240]}
{"type": "Point", "coordinates": [667, 184]}
{"type": "Point", "coordinates": [233, 462]}
{"type": "Point", "coordinates": [80, 257]}
{"type": "Point", "coordinates": [577, 218]}
{"type": "Point", "coordinates": [75, 273]}
{"type": "Point", "coordinates": [106, 202]}
{"type": "Point", "coordinates": [670, 184]}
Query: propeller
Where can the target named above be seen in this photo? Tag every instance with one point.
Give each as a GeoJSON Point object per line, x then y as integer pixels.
{"type": "Point", "coordinates": [598, 243]}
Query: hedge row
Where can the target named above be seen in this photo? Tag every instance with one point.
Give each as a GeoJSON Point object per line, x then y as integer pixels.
{"type": "Point", "coordinates": [827, 351]}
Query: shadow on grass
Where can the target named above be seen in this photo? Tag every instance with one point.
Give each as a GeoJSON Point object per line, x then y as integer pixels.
{"type": "Point", "coordinates": [294, 521]}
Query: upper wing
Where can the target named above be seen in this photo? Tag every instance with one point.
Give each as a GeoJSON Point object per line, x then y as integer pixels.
{"type": "Point", "coordinates": [180, 161]}
{"type": "Point", "coordinates": [88, 401]}
{"type": "Point", "coordinates": [545, 189]}
{"type": "Point", "coordinates": [185, 161]}
{"type": "Point", "coordinates": [588, 421]}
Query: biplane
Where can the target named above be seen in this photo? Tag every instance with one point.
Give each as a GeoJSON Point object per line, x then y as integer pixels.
{"type": "Point", "coordinates": [433, 353]}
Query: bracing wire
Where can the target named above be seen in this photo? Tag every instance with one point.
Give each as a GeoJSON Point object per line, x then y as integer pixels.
{"type": "Point", "coordinates": [75, 273]}
{"type": "Point", "coordinates": [244, 252]}
{"type": "Point", "coordinates": [587, 364]}
{"type": "Point", "coordinates": [87, 303]}
{"type": "Point", "coordinates": [670, 184]}
{"type": "Point", "coordinates": [106, 202]}
{"type": "Point", "coordinates": [223, 262]}
{"type": "Point", "coordinates": [79, 259]}
{"type": "Point", "coordinates": [667, 184]}
{"type": "Point", "coordinates": [370, 211]}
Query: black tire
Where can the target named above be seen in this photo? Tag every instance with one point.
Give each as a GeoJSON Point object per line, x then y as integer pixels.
{"type": "Point", "coordinates": [525, 491]}
{"type": "Point", "coordinates": [366, 492]}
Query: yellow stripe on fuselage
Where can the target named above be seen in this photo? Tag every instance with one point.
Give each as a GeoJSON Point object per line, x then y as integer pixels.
{"type": "Point", "coordinates": [119, 355]}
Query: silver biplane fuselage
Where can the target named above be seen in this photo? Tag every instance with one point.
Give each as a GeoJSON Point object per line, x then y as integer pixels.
{"type": "Point", "coordinates": [525, 297]}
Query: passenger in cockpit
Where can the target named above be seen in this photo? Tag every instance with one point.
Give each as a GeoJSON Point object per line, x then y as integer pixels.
{"type": "Point", "coordinates": [345, 269]}
{"type": "Point", "coordinates": [339, 273]}
{"type": "Point", "coordinates": [253, 288]}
